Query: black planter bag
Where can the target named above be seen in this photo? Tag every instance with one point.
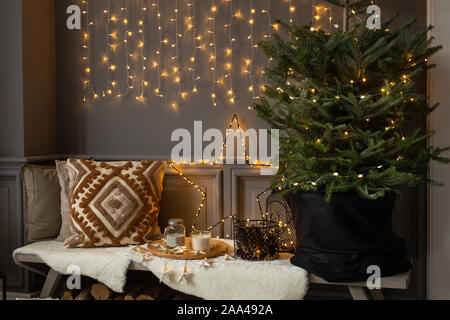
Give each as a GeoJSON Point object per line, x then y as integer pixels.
{"type": "Point", "coordinates": [337, 241]}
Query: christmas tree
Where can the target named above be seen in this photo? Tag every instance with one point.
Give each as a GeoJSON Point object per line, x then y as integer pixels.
{"type": "Point", "coordinates": [343, 101]}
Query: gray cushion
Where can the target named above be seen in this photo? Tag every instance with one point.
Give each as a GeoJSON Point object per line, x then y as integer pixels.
{"type": "Point", "coordinates": [63, 177]}
{"type": "Point", "coordinates": [42, 202]}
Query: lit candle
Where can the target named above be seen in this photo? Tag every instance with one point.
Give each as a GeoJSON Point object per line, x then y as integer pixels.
{"type": "Point", "coordinates": [201, 241]}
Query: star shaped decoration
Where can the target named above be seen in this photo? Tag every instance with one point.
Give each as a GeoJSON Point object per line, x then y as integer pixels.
{"type": "Point", "coordinates": [184, 275]}
{"type": "Point", "coordinates": [166, 273]}
{"type": "Point", "coordinates": [198, 252]}
{"type": "Point", "coordinates": [179, 250]}
{"type": "Point", "coordinates": [227, 257]}
{"type": "Point", "coordinates": [146, 257]}
{"type": "Point", "coordinates": [205, 263]}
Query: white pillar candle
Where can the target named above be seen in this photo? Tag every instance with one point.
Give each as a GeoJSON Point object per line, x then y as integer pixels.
{"type": "Point", "coordinates": [201, 242]}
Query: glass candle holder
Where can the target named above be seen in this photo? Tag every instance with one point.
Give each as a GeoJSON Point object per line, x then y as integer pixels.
{"type": "Point", "coordinates": [201, 241]}
{"type": "Point", "coordinates": [175, 233]}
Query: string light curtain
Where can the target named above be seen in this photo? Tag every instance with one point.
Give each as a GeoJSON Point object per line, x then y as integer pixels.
{"type": "Point", "coordinates": [137, 62]}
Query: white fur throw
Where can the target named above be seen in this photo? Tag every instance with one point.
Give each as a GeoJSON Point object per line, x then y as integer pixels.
{"type": "Point", "coordinates": [222, 280]}
{"type": "Point", "coordinates": [107, 265]}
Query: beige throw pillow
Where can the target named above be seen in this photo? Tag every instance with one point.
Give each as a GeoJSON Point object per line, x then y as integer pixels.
{"type": "Point", "coordinates": [63, 177]}
{"type": "Point", "coordinates": [42, 203]}
{"type": "Point", "coordinates": [114, 205]}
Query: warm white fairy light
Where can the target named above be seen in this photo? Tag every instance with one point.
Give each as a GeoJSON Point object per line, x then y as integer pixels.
{"type": "Point", "coordinates": [128, 34]}
{"type": "Point", "coordinates": [192, 24]}
{"type": "Point", "coordinates": [291, 11]}
{"type": "Point", "coordinates": [157, 63]}
{"type": "Point", "coordinates": [229, 54]}
{"type": "Point", "coordinates": [141, 46]}
{"type": "Point", "coordinates": [317, 13]}
{"type": "Point", "coordinates": [107, 57]}
{"type": "Point", "coordinates": [330, 19]}
{"type": "Point", "coordinates": [177, 58]}
{"type": "Point", "coordinates": [196, 187]}
{"type": "Point", "coordinates": [213, 59]}
{"type": "Point", "coordinates": [266, 11]}
{"type": "Point", "coordinates": [249, 62]}
{"type": "Point", "coordinates": [267, 35]}
{"type": "Point", "coordinates": [135, 47]}
{"type": "Point", "coordinates": [86, 55]}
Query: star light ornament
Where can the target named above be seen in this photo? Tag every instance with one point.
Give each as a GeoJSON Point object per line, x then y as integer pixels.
{"type": "Point", "coordinates": [165, 274]}
{"type": "Point", "coordinates": [227, 257]}
{"type": "Point", "coordinates": [205, 263]}
{"type": "Point", "coordinates": [185, 275]}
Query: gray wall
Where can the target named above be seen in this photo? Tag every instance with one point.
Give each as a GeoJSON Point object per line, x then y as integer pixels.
{"type": "Point", "coordinates": [439, 246]}
{"type": "Point", "coordinates": [130, 127]}
{"type": "Point", "coordinates": [11, 79]}
{"type": "Point", "coordinates": [44, 118]}
{"type": "Point", "coordinates": [39, 77]}
{"type": "Point", "coordinates": [27, 82]}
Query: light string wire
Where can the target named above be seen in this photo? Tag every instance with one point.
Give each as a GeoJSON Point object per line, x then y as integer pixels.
{"type": "Point", "coordinates": [86, 56]}
{"type": "Point", "coordinates": [111, 39]}
{"type": "Point", "coordinates": [229, 53]}
{"type": "Point", "coordinates": [317, 15]}
{"type": "Point", "coordinates": [265, 217]}
{"type": "Point", "coordinates": [291, 11]}
{"type": "Point", "coordinates": [193, 24]}
{"type": "Point", "coordinates": [267, 35]}
{"type": "Point", "coordinates": [128, 34]}
{"type": "Point", "coordinates": [234, 121]}
{"type": "Point", "coordinates": [176, 58]}
{"type": "Point", "coordinates": [196, 187]}
{"type": "Point", "coordinates": [249, 62]}
{"type": "Point", "coordinates": [107, 57]}
{"type": "Point", "coordinates": [330, 19]}
{"type": "Point", "coordinates": [157, 63]}
{"type": "Point", "coordinates": [212, 32]}
{"type": "Point", "coordinates": [313, 15]}
{"type": "Point", "coordinates": [141, 45]}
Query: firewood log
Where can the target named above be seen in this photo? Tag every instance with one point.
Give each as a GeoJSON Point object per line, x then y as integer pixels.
{"type": "Point", "coordinates": [100, 292]}
{"type": "Point", "coordinates": [84, 294]}
{"type": "Point", "coordinates": [67, 295]}
{"type": "Point", "coordinates": [133, 292]}
{"type": "Point", "coordinates": [144, 297]}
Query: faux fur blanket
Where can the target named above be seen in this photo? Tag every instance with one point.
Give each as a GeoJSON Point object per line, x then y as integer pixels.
{"type": "Point", "coordinates": [221, 278]}
{"type": "Point", "coordinates": [107, 265]}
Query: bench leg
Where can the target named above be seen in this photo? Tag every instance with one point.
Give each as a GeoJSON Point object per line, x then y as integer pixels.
{"type": "Point", "coordinates": [358, 293]}
{"type": "Point", "coordinates": [51, 282]}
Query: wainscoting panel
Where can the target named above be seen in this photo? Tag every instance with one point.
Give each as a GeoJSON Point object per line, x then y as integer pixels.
{"type": "Point", "coordinates": [11, 225]}
{"type": "Point", "coordinates": [246, 183]}
{"type": "Point", "coordinates": [181, 200]}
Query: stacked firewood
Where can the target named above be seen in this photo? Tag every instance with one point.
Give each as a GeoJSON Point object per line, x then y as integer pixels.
{"type": "Point", "coordinates": [137, 288]}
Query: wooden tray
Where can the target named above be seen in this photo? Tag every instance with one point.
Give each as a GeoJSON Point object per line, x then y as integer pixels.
{"type": "Point", "coordinates": [218, 248]}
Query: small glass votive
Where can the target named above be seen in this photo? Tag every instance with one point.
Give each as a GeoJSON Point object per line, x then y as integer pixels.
{"type": "Point", "coordinates": [201, 241]}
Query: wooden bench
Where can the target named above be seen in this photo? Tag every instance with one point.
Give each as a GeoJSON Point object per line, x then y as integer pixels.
{"type": "Point", "coordinates": [358, 290]}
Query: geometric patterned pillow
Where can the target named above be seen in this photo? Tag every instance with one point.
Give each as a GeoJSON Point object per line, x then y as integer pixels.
{"type": "Point", "coordinates": [114, 204]}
